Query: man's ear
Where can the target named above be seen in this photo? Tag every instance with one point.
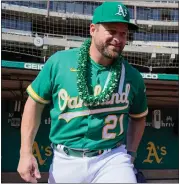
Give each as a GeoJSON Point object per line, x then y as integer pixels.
{"type": "Point", "coordinates": [93, 28]}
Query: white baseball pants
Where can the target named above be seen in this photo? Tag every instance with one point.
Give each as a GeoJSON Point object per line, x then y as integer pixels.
{"type": "Point", "coordinates": [112, 166]}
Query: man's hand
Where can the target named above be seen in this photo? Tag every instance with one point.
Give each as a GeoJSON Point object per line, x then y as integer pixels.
{"type": "Point", "coordinates": [28, 168]}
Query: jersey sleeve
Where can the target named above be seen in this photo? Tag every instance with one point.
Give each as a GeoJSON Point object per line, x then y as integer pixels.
{"type": "Point", "coordinates": [139, 106]}
{"type": "Point", "coordinates": [40, 89]}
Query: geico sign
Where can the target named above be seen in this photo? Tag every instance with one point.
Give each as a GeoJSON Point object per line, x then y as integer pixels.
{"type": "Point", "coordinates": [33, 66]}
{"type": "Point", "coordinates": [149, 76]}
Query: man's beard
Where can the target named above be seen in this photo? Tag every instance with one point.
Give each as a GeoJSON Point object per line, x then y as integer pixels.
{"type": "Point", "coordinates": [107, 52]}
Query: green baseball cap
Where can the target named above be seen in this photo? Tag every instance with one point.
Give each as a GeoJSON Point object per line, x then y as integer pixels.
{"type": "Point", "coordinates": [113, 12]}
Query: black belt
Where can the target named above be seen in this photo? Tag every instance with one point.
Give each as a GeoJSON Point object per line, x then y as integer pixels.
{"type": "Point", "coordinates": [85, 153]}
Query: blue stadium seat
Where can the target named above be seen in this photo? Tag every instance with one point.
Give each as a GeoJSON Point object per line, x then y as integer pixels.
{"type": "Point", "coordinates": [176, 15]}
{"type": "Point", "coordinates": [70, 7]}
{"type": "Point", "coordinates": [3, 23]}
{"type": "Point", "coordinates": [143, 13]}
{"type": "Point", "coordinates": [24, 25]}
{"type": "Point", "coordinates": [156, 37]}
{"type": "Point", "coordinates": [9, 24]}
{"type": "Point", "coordinates": [51, 6]}
{"type": "Point", "coordinates": [139, 36]}
{"type": "Point", "coordinates": [88, 8]}
{"type": "Point", "coordinates": [61, 7]}
{"type": "Point", "coordinates": [9, 2]}
{"type": "Point", "coordinates": [173, 37]}
{"type": "Point", "coordinates": [155, 14]}
{"type": "Point", "coordinates": [24, 3]}
{"type": "Point", "coordinates": [152, 37]}
{"type": "Point", "coordinates": [165, 37]}
{"type": "Point", "coordinates": [177, 37]}
{"type": "Point", "coordinates": [28, 26]}
{"type": "Point", "coordinates": [78, 8]}
{"type": "Point", "coordinates": [131, 12]}
{"type": "Point", "coordinates": [147, 37]}
{"type": "Point", "coordinates": [19, 25]}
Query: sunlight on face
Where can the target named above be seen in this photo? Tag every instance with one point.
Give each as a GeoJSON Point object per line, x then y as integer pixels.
{"type": "Point", "coordinates": [110, 38]}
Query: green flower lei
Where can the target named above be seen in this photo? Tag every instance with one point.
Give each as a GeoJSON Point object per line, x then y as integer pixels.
{"type": "Point", "coordinates": [82, 86]}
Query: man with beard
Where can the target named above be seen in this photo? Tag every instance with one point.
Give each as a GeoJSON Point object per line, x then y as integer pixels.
{"type": "Point", "coordinates": [94, 94]}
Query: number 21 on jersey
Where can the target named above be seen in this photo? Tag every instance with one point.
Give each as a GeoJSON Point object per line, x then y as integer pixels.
{"type": "Point", "coordinates": [111, 121]}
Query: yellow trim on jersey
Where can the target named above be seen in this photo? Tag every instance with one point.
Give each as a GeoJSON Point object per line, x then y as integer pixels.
{"type": "Point", "coordinates": [35, 96]}
{"type": "Point", "coordinates": [139, 115]}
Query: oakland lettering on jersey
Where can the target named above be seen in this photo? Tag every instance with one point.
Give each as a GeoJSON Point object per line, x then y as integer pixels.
{"type": "Point", "coordinates": [75, 102]}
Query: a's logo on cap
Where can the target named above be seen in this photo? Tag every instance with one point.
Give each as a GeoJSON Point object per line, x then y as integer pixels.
{"type": "Point", "coordinates": [121, 11]}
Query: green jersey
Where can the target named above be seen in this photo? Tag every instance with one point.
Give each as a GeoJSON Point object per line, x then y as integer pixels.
{"type": "Point", "coordinates": [73, 123]}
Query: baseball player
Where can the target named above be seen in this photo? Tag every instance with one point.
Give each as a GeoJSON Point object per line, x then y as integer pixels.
{"type": "Point", "coordinates": [97, 102]}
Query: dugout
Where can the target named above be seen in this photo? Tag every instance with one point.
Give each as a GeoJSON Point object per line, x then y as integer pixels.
{"type": "Point", "coordinates": [158, 151]}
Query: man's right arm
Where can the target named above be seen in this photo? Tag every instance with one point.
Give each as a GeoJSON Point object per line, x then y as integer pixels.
{"type": "Point", "coordinates": [40, 93]}
{"type": "Point", "coordinates": [28, 167]}
{"type": "Point", "coordinates": [30, 124]}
